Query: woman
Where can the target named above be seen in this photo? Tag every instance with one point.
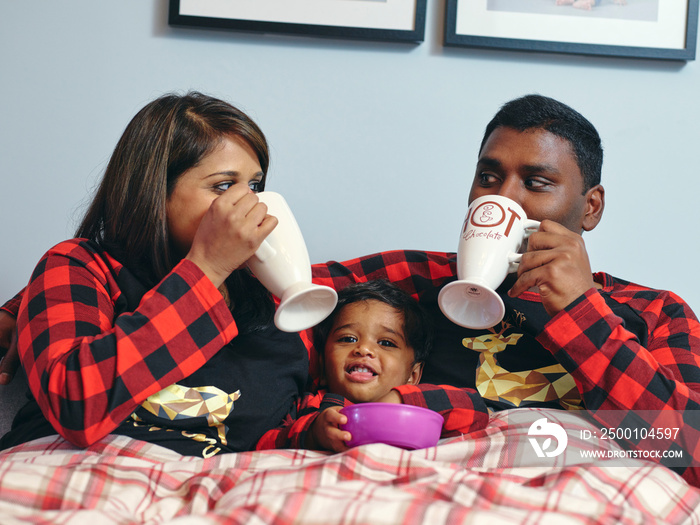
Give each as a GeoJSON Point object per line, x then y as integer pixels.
{"type": "Point", "coordinates": [148, 324]}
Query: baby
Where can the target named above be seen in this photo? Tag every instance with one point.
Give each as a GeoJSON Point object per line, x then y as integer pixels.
{"type": "Point", "coordinates": [376, 340]}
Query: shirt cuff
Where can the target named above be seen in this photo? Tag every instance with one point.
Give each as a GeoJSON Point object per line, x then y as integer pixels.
{"type": "Point", "coordinates": [572, 322]}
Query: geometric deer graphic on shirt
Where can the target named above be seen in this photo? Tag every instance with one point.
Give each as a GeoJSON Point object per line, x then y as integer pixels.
{"type": "Point", "coordinates": [546, 384]}
{"type": "Point", "coordinates": [181, 402]}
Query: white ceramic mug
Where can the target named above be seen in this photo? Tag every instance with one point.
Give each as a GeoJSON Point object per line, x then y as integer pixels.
{"type": "Point", "coordinates": [493, 232]}
{"type": "Point", "coordinates": [282, 265]}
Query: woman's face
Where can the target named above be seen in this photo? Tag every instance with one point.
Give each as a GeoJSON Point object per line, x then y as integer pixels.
{"type": "Point", "coordinates": [232, 162]}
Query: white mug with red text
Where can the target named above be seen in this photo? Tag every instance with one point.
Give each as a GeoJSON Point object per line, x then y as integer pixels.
{"type": "Point", "coordinates": [493, 233]}
{"type": "Point", "coordinates": [282, 265]}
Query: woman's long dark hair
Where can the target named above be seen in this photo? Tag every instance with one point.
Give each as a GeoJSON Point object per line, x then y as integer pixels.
{"type": "Point", "coordinates": [128, 213]}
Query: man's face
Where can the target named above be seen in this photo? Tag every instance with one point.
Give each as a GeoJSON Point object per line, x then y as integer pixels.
{"type": "Point", "coordinates": [536, 169]}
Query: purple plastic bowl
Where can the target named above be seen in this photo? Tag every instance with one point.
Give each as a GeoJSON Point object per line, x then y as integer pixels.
{"type": "Point", "coordinates": [404, 426]}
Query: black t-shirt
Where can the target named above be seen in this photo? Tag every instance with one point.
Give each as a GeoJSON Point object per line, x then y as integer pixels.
{"type": "Point", "coordinates": [504, 363]}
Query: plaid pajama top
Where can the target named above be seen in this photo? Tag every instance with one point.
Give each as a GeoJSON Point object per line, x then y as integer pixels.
{"type": "Point", "coordinates": [105, 353]}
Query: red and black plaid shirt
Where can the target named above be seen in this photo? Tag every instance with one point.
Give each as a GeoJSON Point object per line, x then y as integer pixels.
{"type": "Point", "coordinates": [88, 365]}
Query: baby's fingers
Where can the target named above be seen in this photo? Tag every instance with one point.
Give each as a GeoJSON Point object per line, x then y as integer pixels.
{"type": "Point", "coordinates": [338, 439]}
{"type": "Point", "coordinates": [335, 417]}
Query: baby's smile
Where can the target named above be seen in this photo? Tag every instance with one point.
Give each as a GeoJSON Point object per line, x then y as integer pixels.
{"type": "Point", "coordinates": [360, 372]}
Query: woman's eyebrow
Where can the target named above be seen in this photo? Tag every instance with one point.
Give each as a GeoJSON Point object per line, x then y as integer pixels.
{"type": "Point", "coordinates": [234, 174]}
{"type": "Point", "coordinates": [227, 173]}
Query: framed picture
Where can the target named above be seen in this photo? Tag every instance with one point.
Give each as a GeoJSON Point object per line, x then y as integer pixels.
{"type": "Point", "coordinates": [662, 29]}
{"type": "Point", "coordinates": [383, 20]}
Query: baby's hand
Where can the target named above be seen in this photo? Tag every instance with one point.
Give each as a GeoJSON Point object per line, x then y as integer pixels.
{"type": "Point", "coordinates": [325, 431]}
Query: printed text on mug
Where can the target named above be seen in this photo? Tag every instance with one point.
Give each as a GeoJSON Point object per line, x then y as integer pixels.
{"type": "Point", "coordinates": [483, 217]}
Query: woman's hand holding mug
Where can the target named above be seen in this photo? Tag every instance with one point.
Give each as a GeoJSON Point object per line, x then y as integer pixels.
{"type": "Point", "coordinates": [230, 232]}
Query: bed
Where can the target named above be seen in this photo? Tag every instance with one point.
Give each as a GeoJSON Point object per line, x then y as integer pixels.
{"type": "Point", "coordinates": [491, 476]}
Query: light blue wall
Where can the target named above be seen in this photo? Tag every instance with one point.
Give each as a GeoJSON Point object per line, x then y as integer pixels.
{"type": "Point", "coordinates": [373, 144]}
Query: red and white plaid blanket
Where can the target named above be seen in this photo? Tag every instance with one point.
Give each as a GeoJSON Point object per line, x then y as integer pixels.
{"type": "Point", "coordinates": [491, 476]}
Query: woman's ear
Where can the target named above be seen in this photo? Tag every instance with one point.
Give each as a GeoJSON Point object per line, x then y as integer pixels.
{"type": "Point", "coordinates": [595, 204]}
{"type": "Point", "coordinates": [416, 372]}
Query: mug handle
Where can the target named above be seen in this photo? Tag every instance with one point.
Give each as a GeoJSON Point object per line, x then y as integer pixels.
{"type": "Point", "coordinates": [264, 252]}
{"type": "Point", "coordinates": [514, 262]}
{"type": "Point", "coordinates": [530, 226]}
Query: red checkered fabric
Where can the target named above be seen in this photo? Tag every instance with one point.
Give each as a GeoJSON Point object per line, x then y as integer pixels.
{"type": "Point", "coordinates": [489, 476]}
{"type": "Point", "coordinates": [414, 271]}
{"type": "Point", "coordinates": [292, 433]}
{"type": "Point", "coordinates": [616, 371]}
{"type": "Point", "coordinates": [463, 409]}
{"type": "Point", "coordinates": [89, 370]}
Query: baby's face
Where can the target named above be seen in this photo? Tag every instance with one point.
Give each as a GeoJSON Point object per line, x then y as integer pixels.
{"type": "Point", "coordinates": [367, 354]}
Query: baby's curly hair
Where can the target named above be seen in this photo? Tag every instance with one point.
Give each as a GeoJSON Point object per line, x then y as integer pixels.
{"type": "Point", "coordinates": [417, 323]}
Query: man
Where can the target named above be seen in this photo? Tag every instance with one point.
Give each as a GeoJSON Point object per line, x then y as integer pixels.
{"type": "Point", "coordinates": [569, 339]}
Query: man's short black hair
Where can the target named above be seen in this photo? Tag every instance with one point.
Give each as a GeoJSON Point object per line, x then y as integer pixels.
{"type": "Point", "coordinates": [417, 323]}
{"type": "Point", "coordinates": [537, 111]}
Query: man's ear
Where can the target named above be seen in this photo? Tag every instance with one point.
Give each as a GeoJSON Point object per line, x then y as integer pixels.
{"type": "Point", "coordinates": [416, 372]}
{"type": "Point", "coordinates": [595, 204]}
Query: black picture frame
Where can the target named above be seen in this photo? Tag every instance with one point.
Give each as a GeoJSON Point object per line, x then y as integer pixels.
{"type": "Point", "coordinates": [682, 31]}
{"type": "Point", "coordinates": [206, 14]}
